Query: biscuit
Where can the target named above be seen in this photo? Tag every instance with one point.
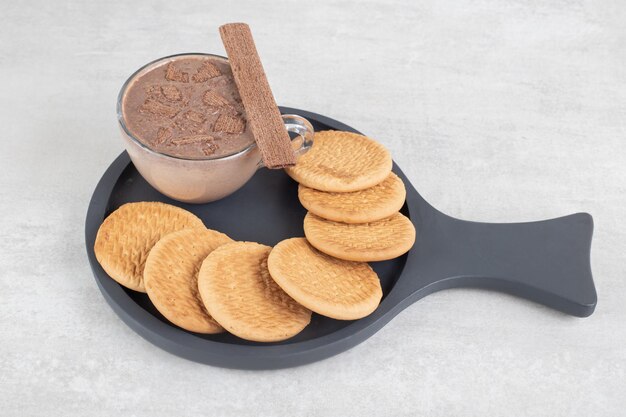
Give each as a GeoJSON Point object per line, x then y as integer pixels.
{"type": "Point", "coordinates": [171, 277]}
{"type": "Point", "coordinates": [239, 293]}
{"type": "Point", "coordinates": [375, 241]}
{"type": "Point", "coordinates": [342, 162]}
{"type": "Point", "coordinates": [125, 238]}
{"type": "Point", "coordinates": [332, 287]}
{"type": "Point", "coordinates": [371, 204]}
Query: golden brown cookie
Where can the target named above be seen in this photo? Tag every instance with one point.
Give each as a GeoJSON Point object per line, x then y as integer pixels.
{"type": "Point", "coordinates": [371, 204]}
{"type": "Point", "coordinates": [239, 293]}
{"type": "Point", "coordinates": [127, 235]}
{"type": "Point", "coordinates": [375, 241]}
{"type": "Point", "coordinates": [171, 277]}
{"type": "Point", "coordinates": [342, 162]}
{"type": "Point", "coordinates": [332, 287]}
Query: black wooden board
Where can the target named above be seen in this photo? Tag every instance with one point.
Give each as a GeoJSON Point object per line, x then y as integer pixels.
{"type": "Point", "coordinates": [545, 261]}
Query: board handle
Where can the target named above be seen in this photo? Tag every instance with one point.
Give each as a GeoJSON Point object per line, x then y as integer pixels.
{"type": "Point", "coordinates": [545, 261]}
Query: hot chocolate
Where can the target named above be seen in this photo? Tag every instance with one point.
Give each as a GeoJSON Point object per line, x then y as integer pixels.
{"type": "Point", "coordinates": [185, 128]}
{"type": "Point", "coordinates": [189, 108]}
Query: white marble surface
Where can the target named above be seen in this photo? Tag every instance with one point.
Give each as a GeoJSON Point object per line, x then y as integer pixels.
{"type": "Point", "coordinates": [496, 111]}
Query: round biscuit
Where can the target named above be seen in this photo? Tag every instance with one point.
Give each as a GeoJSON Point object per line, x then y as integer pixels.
{"type": "Point", "coordinates": [342, 162]}
{"type": "Point", "coordinates": [375, 241]}
{"type": "Point", "coordinates": [332, 287]}
{"type": "Point", "coordinates": [237, 290]}
{"type": "Point", "coordinates": [126, 236]}
{"type": "Point", "coordinates": [171, 277]}
{"type": "Point", "coordinates": [371, 204]}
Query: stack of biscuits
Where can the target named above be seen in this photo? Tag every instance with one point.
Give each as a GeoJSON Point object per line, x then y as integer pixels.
{"type": "Point", "coordinates": [203, 281]}
{"type": "Point", "coordinates": [353, 198]}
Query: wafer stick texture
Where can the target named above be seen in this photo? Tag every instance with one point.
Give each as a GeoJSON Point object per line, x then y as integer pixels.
{"type": "Point", "coordinates": [261, 109]}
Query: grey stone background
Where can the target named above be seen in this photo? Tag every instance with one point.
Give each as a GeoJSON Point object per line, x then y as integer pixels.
{"type": "Point", "coordinates": [496, 111]}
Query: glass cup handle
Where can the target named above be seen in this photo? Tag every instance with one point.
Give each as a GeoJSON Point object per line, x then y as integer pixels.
{"type": "Point", "coordinates": [301, 126]}
{"type": "Point", "coordinates": [304, 130]}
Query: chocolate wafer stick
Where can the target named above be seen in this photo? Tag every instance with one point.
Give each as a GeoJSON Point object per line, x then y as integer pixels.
{"type": "Point", "coordinates": [261, 109]}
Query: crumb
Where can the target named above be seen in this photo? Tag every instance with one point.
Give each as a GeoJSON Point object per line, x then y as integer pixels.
{"type": "Point", "coordinates": [194, 116]}
{"type": "Point", "coordinates": [191, 121]}
{"type": "Point", "coordinates": [206, 71]}
{"type": "Point", "coordinates": [229, 124]}
{"type": "Point", "coordinates": [209, 148]}
{"type": "Point", "coordinates": [171, 93]}
{"type": "Point", "coordinates": [152, 106]}
{"type": "Point", "coordinates": [174, 74]}
{"type": "Point", "coordinates": [213, 99]}
{"type": "Point", "coordinates": [193, 139]}
{"type": "Point", "coordinates": [163, 134]}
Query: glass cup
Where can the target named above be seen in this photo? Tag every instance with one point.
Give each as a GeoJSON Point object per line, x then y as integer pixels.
{"type": "Point", "coordinates": [205, 179]}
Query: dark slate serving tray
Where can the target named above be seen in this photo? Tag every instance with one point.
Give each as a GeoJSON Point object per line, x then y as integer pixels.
{"type": "Point", "coordinates": [545, 261]}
